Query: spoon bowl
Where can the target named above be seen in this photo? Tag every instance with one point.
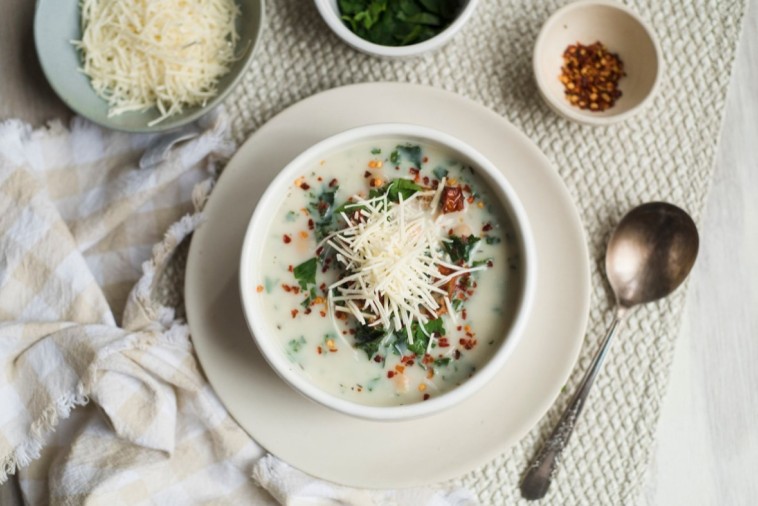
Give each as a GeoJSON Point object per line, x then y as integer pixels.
{"type": "Point", "coordinates": [651, 252]}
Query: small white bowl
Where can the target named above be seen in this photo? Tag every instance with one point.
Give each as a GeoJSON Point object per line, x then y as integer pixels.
{"type": "Point", "coordinates": [329, 10]}
{"type": "Point", "coordinates": [271, 202]}
{"type": "Point", "coordinates": [623, 32]}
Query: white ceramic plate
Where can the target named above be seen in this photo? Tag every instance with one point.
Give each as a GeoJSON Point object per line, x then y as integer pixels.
{"type": "Point", "coordinates": [358, 452]}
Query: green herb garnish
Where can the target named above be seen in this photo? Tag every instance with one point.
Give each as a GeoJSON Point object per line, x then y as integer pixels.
{"type": "Point", "coordinates": [291, 216]}
{"type": "Point", "coordinates": [305, 273]}
{"type": "Point", "coordinates": [484, 261]}
{"type": "Point", "coordinates": [441, 362]}
{"type": "Point", "coordinates": [368, 339]}
{"type": "Point", "coordinates": [440, 172]}
{"type": "Point", "coordinates": [395, 188]}
{"type": "Point", "coordinates": [295, 345]}
{"type": "Point", "coordinates": [421, 338]}
{"type": "Point", "coordinates": [460, 248]}
{"type": "Point", "coordinates": [414, 154]}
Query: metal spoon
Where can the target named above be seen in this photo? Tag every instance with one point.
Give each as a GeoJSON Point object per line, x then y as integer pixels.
{"type": "Point", "coordinates": [650, 253]}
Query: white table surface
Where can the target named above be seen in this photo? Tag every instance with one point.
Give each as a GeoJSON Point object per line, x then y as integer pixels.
{"type": "Point", "coordinates": [707, 441]}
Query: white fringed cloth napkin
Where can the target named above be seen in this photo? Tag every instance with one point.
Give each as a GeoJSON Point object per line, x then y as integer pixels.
{"type": "Point", "coordinates": [101, 398]}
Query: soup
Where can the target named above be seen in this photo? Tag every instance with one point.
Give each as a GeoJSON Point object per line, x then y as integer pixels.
{"type": "Point", "coordinates": [390, 273]}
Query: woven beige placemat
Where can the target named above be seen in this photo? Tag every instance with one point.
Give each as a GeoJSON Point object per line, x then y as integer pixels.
{"type": "Point", "coordinates": [666, 153]}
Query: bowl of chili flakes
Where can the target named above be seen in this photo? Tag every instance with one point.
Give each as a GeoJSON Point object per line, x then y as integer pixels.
{"type": "Point", "coordinates": [597, 62]}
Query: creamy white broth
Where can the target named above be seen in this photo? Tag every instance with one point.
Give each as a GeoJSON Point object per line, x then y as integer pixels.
{"type": "Point", "coordinates": [330, 359]}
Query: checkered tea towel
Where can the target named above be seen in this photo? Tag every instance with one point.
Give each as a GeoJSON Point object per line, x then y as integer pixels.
{"type": "Point", "coordinates": [79, 327]}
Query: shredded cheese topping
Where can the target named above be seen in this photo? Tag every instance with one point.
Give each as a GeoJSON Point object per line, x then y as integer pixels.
{"type": "Point", "coordinates": [392, 253]}
{"type": "Point", "coordinates": [167, 54]}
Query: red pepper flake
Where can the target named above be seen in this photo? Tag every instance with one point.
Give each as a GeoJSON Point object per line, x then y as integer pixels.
{"type": "Point", "coordinates": [464, 314]}
{"type": "Point", "coordinates": [443, 342]}
{"type": "Point", "coordinates": [489, 263]}
{"type": "Point", "coordinates": [319, 350]}
{"type": "Point", "coordinates": [590, 76]}
{"type": "Point", "coordinates": [319, 250]}
{"type": "Point", "coordinates": [367, 174]}
{"type": "Point", "coordinates": [307, 310]}
{"type": "Point", "coordinates": [295, 289]}
{"type": "Point", "coordinates": [287, 239]}
{"type": "Point", "coordinates": [425, 159]}
{"type": "Point", "coordinates": [294, 312]}
{"type": "Point", "coordinates": [470, 199]}
{"type": "Point", "coordinates": [259, 288]}
{"type": "Point", "coordinates": [322, 287]}
{"type": "Point", "coordinates": [428, 359]}
{"type": "Point", "coordinates": [487, 227]}
{"type": "Point", "coordinates": [467, 343]}
{"type": "Point", "coordinates": [332, 183]}
{"type": "Point", "coordinates": [426, 180]}
{"type": "Point", "coordinates": [414, 171]}
{"type": "Point", "coordinates": [452, 199]}
{"type": "Point", "coordinates": [319, 179]}
{"type": "Point", "coordinates": [390, 374]}
{"type": "Point", "coordinates": [458, 328]}
{"type": "Point", "coordinates": [322, 313]}
{"type": "Point", "coordinates": [286, 287]}
{"type": "Point", "coordinates": [305, 186]}
{"type": "Point", "coordinates": [456, 354]}
{"type": "Point", "coordinates": [377, 358]}
{"type": "Point", "coordinates": [426, 397]}
{"type": "Point", "coordinates": [397, 167]}
{"type": "Point", "coordinates": [435, 184]}
{"type": "Point", "coordinates": [290, 268]}
{"type": "Point", "coordinates": [311, 225]}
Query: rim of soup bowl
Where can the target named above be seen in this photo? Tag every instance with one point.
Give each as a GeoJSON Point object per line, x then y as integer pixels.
{"type": "Point", "coordinates": [271, 201]}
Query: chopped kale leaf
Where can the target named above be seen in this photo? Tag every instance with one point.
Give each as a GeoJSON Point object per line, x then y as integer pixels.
{"type": "Point", "coordinates": [460, 248]}
{"type": "Point", "coordinates": [305, 273]}
{"type": "Point", "coordinates": [421, 338]}
{"type": "Point", "coordinates": [368, 339]}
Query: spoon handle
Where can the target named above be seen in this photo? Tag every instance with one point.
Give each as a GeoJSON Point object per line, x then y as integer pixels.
{"type": "Point", "coordinates": [538, 475]}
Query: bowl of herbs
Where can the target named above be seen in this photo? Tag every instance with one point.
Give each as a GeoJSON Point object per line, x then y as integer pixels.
{"type": "Point", "coordinates": [396, 28]}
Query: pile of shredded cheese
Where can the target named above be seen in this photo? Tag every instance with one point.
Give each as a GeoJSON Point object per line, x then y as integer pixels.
{"type": "Point", "coordinates": [392, 254]}
{"type": "Point", "coordinates": [167, 54]}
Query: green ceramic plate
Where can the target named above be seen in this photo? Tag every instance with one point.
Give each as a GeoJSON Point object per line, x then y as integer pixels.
{"type": "Point", "coordinates": [58, 22]}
